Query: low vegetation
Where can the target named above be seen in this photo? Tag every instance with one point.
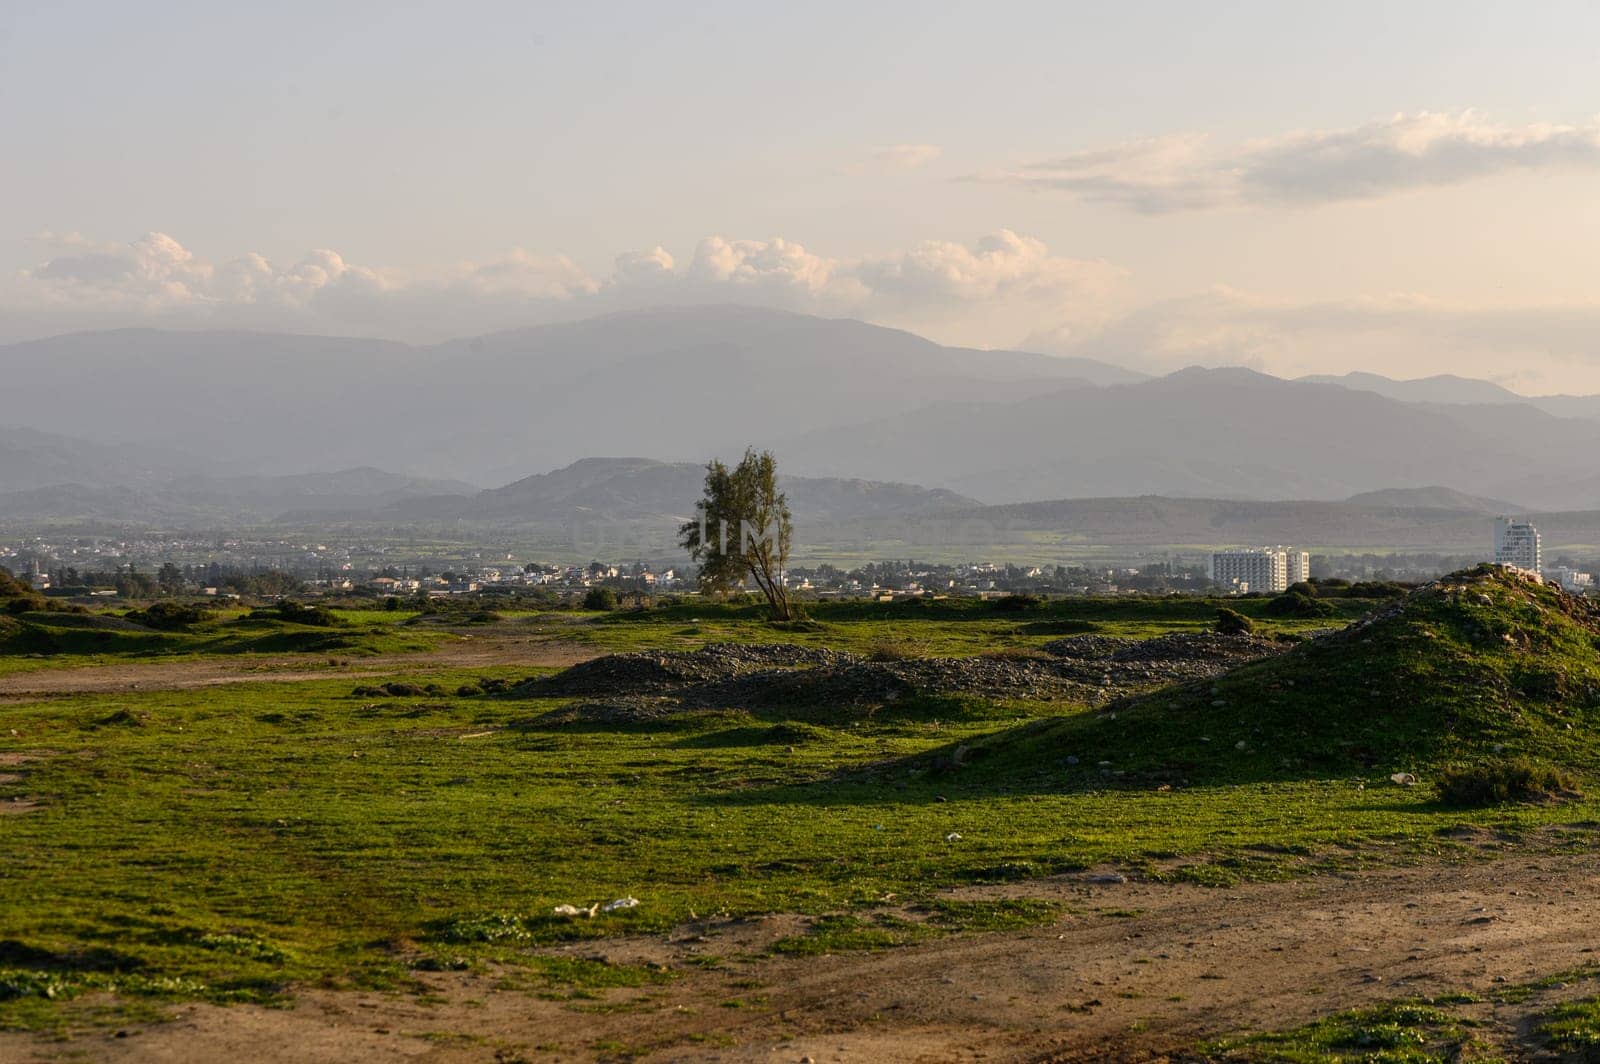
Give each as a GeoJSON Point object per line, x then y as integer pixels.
{"type": "Point", "coordinates": [353, 831]}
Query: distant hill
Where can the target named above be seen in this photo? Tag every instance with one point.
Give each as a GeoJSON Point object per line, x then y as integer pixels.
{"type": "Point", "coordinates": [203, 500]}
{"type": "Point", "coordinates": [1434, 497]}
{"type": "Point", "coordinates": [33, 459]}
{"type": "Point", "coordinates": [1153, 521]}
{"type": "Point", "coordinates": [632, 488]}
{"type": "Point", "coordinates": [1450, 389]}
{"type": "Point", "coordinates": [1443, 388]}
{"type": "Point", "coordinates": [1223, 433]}
{"type": "Point", "coordinates": [680, 384]}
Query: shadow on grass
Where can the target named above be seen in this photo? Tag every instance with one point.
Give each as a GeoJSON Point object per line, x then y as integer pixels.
{"type": "Point", "coordinates": [14, 954]}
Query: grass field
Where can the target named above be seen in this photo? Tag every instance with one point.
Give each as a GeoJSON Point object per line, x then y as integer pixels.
{"type": "Point", "coordinates": [231, 843]}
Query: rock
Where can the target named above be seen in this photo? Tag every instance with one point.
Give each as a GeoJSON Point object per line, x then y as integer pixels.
{"type": "Point", "coordinates": [1403, 779]}
{"type": "Point", "coordinates": [1107, 877]}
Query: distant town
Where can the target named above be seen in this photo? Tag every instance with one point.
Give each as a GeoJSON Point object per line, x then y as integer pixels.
{"type": "Point", "coordinates": [225, 568]}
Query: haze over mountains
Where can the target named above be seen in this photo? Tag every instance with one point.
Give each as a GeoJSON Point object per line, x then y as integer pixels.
{"type": "Point", "coordinates": [143, 424]}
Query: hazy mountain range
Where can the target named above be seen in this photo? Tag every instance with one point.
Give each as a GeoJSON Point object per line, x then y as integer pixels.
{"type": "Point", "coordinates": [195, 426]}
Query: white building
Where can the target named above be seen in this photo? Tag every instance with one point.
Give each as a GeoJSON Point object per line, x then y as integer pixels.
{"type": "Point", "coordinates": [1251, 569]}
{"type": "Point", "coordinates": [1516, 543]}
{"type": "Point", "coordinates": [1569, 579]}
{"type": "Point", "coordinates": [1299, 566]}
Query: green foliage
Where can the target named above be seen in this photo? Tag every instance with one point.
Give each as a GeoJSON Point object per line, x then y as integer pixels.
{"type": "Point", "coordinates": [1407, 1032]}
{"type": "Point", "coordinates": [300, 613]}
{"type": "Point", "coordinates": [1574, 1027]}
{"type": "Point", "coordinates": [1232, 622]}
{"type": "Point", "coordinates": [1296, 603]}
{"type": "Point", "coordinates": [742, 527]}
{"type": "Point", "coordinates": [168, 615]}
{"type": "Point", "coordinates": [1497, 780]}
{"type": "Point", "coordinates": [1017, 603]}
{"type": "Point", "coordinates": [600, 598]}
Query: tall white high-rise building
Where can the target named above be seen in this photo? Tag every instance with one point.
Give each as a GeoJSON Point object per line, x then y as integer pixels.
{"type": "Point", "coordinates": [1265, 569]}
{"type": "Point", "coordinates": [1516, 543]}
{"type": "Point", "coordinates": [1252, 569]}
{"type": "Point", "coordinates": [1299, 566]}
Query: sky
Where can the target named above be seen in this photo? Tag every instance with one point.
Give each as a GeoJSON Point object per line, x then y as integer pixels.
{"type": "Point", "coordinates": [1399, 188]}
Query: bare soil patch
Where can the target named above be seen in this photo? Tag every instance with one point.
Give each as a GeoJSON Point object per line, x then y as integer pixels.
{"type": "Point", "coordinates": [480, 651]}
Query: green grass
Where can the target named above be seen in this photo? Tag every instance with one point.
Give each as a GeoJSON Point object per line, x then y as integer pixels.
{"type": "Point", "coordinates": [236, 842]}
{"type": "Point", "coordinates": [1573, 1027]}
{"type": "Point", "coordinates": [37, 641]}
{"type": "Point", "coordinates": [1409, 1032]}
{"type": "Point", "coordinates": [1492, 666]}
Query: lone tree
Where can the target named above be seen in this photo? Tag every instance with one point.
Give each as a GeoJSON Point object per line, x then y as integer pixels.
{"type": "Point", "coordinates": [742, 527]}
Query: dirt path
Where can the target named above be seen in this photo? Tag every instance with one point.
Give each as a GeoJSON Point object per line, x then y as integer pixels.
{"type": "Point", "coordinates": [468, 653]}
{"type": "Point", "coordinates": [1136, 972]}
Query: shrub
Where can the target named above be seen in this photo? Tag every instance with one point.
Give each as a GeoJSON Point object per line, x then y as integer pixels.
{"type": "Point", "coordinates": [1017, 603]}
{"type": "Point", "coordinates": [1232, 622]}
{"type": "Point", "coordinates": [299, 613]}
{"type": "Point", "coordinates": [894, 650]}
{"type": "Point", "coordinates": [1499, 780]}
{"type": "Point", "coordinates": [28, 602]}
{"type": "Point", "coordinates": [1294, 603]}
{"type": "Point", "coordinates": [167, 615]}
{"type": "Point", "coordinates": [600, 598]}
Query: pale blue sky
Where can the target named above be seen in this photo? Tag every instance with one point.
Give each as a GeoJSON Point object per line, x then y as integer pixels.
{"type": "Point", "coordinates": [489, 162]}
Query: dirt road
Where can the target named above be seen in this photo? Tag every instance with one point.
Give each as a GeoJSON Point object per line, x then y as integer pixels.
{"type": "Point", "coordinates": [183, 674]}
{"type": "Point", "coordinates": [1136, 972]}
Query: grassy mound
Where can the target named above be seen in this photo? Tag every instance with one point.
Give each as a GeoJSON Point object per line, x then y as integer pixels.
{"type": "Point", "coordinates": [1480, 665]}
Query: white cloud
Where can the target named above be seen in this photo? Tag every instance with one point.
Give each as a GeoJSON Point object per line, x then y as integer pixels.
{"type": "Point", "coordinates": [773, 264]}
{"type": "Point", "coordinates": [999, 265]}
{"type": "Point", "coordinates": [906, 156]}
{"type": "Point", "coordinates": [1309, 168]}
{"type": "Point", "coordinates": [932, 286]}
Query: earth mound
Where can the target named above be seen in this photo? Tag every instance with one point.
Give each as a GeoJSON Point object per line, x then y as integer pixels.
{"type": "Point", "coordinates": [655, 671]}
{"type": "Point", "coordinates": [644, 687]}
{"type": "Point", "coordinates": [1483, 663]}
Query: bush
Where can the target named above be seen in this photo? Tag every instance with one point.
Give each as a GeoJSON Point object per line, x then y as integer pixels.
{"type": "Point", "coordinates": [1294, 603]}
{"type": "Point", "coordinates": [1232, 622]}
{"type": "Point", "coordinates": [28, 602]}
{"type": "Point", "coordinates": [167, 615]}
{"type": "Point", "coordinates": [299, 613]}
{"type": "Point", "coordinates": [600, 598]}
{"type": "Point", "coordinates": [894, 650]}
{"type": "Point", "coordinates": [1017, 603]}
{"type": "Point", "coordinates": [1499, 780]}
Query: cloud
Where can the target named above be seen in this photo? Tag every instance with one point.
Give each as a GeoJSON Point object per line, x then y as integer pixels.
{"type": "Point", "coordinates": [1532, 349]}
{"type": "Point", "coordinates": [1000, 265]}
{"type": "Point", "coordinates": [932, 286]}
{"type": "Point", "coordinates": [906, 156]}
{"type": "Point", "coordinates": [775, 264]}
{"type": "Point", "coordinates": [1427, 149]}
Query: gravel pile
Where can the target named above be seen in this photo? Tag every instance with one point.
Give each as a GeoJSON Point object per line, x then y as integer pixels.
{"type": "Point", "coordinates": [647, 672]}
{"type": "Point", "coordinates": [874, 683]}
{"type": "Point", "coordinates": [1086, 647]}
{"type": "Point", "coordinates": [1199, 646]}
{"type": "Point", "coordinates": [636, 688]}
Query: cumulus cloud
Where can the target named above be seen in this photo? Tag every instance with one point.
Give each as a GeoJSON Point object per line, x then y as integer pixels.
{"type": "Point", "coordinates": [931, 286]}
{"type": "Point", "coordinates": [1000, 265]}
{"type": "Point", "coordinates": [906, 156]}
{"type": "Point", "coordinates": [772, 264]}
{"type": "Point", "coordinates": [1180, 173]}
{"type": "Point", "coordinates": [1532, 349]}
